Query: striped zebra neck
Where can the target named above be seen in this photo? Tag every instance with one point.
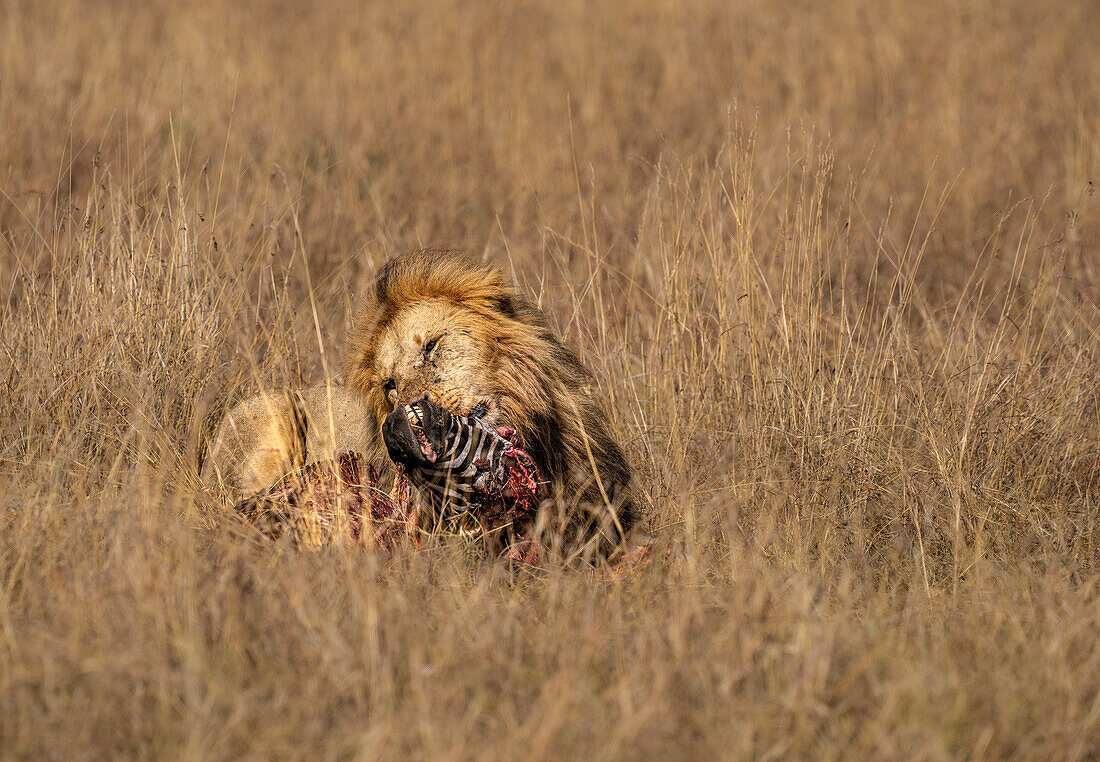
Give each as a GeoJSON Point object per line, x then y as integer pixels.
{"type": "Point", "coordinates": [464, 470]}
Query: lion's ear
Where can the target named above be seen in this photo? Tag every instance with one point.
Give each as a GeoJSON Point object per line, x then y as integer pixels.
{"type": "Point", "coordinates": [382, 280]}
{"type": "Point", "coordinates": [506, 305]}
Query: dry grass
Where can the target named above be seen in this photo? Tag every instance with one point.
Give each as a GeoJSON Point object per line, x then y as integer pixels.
{"type": "Point", "coordinates": [835, 265]}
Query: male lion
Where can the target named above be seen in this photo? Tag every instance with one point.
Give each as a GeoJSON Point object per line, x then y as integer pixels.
{"type": "Point", "coordinates": [439, 325]}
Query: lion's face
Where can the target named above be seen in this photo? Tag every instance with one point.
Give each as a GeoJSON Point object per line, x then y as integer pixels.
{"type": "Point", "coordinates": [431, 348]}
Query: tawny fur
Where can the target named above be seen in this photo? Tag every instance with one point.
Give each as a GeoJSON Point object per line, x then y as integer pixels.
{"type": "Point", "coordinates": [270, 434]}
{"type": "Point", "coordinates": [437, 323]}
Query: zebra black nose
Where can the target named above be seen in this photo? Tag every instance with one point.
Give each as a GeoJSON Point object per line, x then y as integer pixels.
{"type": "Point", "coordinates": [400, 441]}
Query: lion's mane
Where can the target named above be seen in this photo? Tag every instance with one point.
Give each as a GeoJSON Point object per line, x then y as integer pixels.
{"type": "Point", "coordinates": [542, 389]}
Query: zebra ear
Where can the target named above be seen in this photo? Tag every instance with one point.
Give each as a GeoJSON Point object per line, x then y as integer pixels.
{"type": "Point", "coordinates": [479, 411]}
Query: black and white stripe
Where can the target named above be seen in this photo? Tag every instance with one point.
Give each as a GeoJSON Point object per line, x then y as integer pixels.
{"type": "Point", "coordinates": [464, 470]}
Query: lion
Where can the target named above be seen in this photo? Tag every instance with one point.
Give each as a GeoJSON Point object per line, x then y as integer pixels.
{"type": "Point", "coordinates": [270, 434]}
{"type": "Point", "coordinates": [437, 324]}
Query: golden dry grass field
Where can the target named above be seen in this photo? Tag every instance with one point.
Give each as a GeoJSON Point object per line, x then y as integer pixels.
{"type": "Point", "coordinates": [835, 265]}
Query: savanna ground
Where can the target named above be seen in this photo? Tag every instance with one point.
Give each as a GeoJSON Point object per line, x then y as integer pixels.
{"type": "Point", "coordinates": [834, 264]}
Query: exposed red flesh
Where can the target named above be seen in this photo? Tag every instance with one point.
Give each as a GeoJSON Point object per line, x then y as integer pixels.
{"type": "Point", "coordinates": [426, 448]}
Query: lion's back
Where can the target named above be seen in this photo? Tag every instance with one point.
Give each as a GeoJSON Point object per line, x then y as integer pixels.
{"type": "Point", "coordinates": [270, 433]}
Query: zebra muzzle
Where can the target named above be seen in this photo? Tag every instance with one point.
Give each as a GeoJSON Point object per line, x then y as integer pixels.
{"type": "Point", "coordinates": [416, 433]}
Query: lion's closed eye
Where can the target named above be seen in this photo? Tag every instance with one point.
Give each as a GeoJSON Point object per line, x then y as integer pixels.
{"type": "Point", "coordinates": [429, 346]}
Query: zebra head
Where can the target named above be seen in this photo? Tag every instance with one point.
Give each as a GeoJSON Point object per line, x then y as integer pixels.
{"type": "Point", "coordinates": [416, 434]}
{"type": "Point", "coordinates": [453, 460]}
